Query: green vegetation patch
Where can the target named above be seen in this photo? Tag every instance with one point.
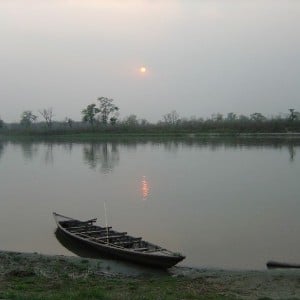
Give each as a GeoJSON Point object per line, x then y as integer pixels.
{"type": "Point", "coordinates": [34, 276]}
{"type": "Point", "coordinates": [98, 287]}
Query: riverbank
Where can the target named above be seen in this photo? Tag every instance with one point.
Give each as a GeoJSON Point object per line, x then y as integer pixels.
{"type": "Point", "coordinates": [150, 136]}
{"type": "Point", "coordinates": [36, 276]}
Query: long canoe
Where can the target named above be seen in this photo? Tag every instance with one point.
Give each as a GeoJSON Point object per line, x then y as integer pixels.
{"type": "Point", "coordinates": [281, 265]}
{"type": "Point", "coordinates": [117, 244]}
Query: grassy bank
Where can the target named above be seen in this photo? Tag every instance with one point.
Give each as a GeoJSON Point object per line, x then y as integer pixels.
{"type": "Point", "coordinates": [34, 276]}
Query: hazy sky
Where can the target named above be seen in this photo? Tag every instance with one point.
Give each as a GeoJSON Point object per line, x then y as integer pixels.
{"type": "Point", "coordinates": [202, 57]}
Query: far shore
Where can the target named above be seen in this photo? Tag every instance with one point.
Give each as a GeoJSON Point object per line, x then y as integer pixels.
{"type": "Point", "coordinates": [37, 276]}
{"type": "Point", "coordinates": [103, 135]}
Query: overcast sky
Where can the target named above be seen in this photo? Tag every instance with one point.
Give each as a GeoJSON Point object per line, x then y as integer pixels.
{"type": "Point", "coordinates": [202, 57]}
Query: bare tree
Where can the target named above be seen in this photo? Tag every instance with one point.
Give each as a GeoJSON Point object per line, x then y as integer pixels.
{"type": "Point", "coordinates": [47, 114]}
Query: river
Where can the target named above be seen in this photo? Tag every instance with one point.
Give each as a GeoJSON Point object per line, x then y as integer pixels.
{"type": "Point", "coordinates": [223, 203]}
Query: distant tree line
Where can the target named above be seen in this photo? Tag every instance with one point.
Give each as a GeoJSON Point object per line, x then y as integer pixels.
{"type": "Point", "coordinates": [103, 116]}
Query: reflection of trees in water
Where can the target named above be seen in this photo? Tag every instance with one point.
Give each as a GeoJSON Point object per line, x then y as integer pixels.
{"type": "Point", "coordinates": [292, 152]}
{"type": "Point", "coordinates": [2, 147]}
{"type": "Point", "coordinates": [29, 149]}
{"type": "Point", "coordinates": [49, 154]}
{"type": "Point", "coordinates": [172, 146]}
{"type": "Point", "coordinates": [68, 147]}
{"type": "Point", "coordinates": [214, 144]}
{"type": "Point", "coordinates": [106, 155]}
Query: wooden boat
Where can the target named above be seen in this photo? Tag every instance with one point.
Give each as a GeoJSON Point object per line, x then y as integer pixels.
{"type": "Point", "coordinates": [281, 265]}
{"type": "Point", "coordinates": [117, 244]}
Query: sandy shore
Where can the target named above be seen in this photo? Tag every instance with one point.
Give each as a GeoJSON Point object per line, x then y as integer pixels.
{"type": "Point", "coordinates": [269, 284]}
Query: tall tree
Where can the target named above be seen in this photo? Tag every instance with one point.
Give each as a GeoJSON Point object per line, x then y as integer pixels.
{"type": "Point", "coordinates": [107, 109]}
{"type": "Point", "coordinates": [89, 113]}
{"type": "Point", "coordinates": [47, 114]}
{"type": "Point", "coordinates": [1, 123]}
{"type": "Point", "coordinates": [69, 122]}
{"type": "Point", "coordinates": [217, 117]}
{"type": "Point", "coordinates": [171, 118]}
{"type": "Point", "coordinates": [292, 115]}
{"type": "Point", "coordinates": [231, 116]}
{"type": "Point", "coordinates": [27, 118]}
{"type": "Point", "coordinates": [131, 120]}
{"type": "Point", "coordinates": [257, 117]}
{"type": "Point", "coordinates": [243, 118]}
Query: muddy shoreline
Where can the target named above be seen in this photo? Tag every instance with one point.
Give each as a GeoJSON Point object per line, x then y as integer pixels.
{"type": "Point", "coordinates": [268, 284]}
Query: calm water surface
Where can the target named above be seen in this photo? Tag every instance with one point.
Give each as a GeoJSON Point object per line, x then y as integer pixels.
{"type": "Point", "coordinates": [228, 204]}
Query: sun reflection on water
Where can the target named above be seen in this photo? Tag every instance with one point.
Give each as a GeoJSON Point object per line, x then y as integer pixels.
{"type": "Point", "coordinates": [145, 188]}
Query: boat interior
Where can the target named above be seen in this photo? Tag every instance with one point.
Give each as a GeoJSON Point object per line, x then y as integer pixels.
{"type": "Point", "coordinates": [105, 235]}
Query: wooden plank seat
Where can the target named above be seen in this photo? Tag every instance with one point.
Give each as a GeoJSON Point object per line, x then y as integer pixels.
{"type": "Point", "coordinates": [85, 236]}
{"type": "Point", "coordinates": [100, 233]}
{"type": "Point", "coordinates": [104, 237]}
{"type": "Point", "coordinates": [110, 237]}
{"type": "Point", "coordinates": [88, 228]}
{"type": "Point", "coordinates": [96, 231]}
{"type": "Point", "coordinates": [80, 227]}
{"type": "Point", "coordinates": [128, 242]}
{"type": "Point", "coordinates": [76, 223]}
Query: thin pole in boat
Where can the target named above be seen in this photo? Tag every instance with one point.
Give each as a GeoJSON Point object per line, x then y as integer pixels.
{"type": "Point", "coordinates": [106, 222]}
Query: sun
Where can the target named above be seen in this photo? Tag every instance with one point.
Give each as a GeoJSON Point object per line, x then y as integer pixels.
{"type": "Point", "coordinates": [143, 69]}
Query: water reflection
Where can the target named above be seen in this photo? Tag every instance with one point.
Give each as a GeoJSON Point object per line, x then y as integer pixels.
{"type": "Point", "coordinates": [242, 181]}
{"type": "Point", "coordinates": [68, 147]}
{"type": "Point", "coordinates": [172, 146]}
{"type": "Point", "coordinates": [29, 150]}
{"type": "Point", "coordinates": [145, 189]}
{"type": "Point", "coordinates": [106, 155]}
{"type": "Point", "coordinates": [292, 152]}
{"type": "Point", "coordinates": [1, 149]}
{"type": "Point", "coordinates": [217, 143]}
{"type": "Point", "coordinates": [49, 158]}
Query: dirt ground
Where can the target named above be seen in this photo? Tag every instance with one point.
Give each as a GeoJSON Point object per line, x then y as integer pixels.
{"type": "Point", "coordinates": [268, 284]}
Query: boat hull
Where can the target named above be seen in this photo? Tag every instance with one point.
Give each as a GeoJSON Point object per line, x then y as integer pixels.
{"type": "Point", "coordinates": [281, 265]}
{"type": "Point", "coordinates": [153, 260]}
